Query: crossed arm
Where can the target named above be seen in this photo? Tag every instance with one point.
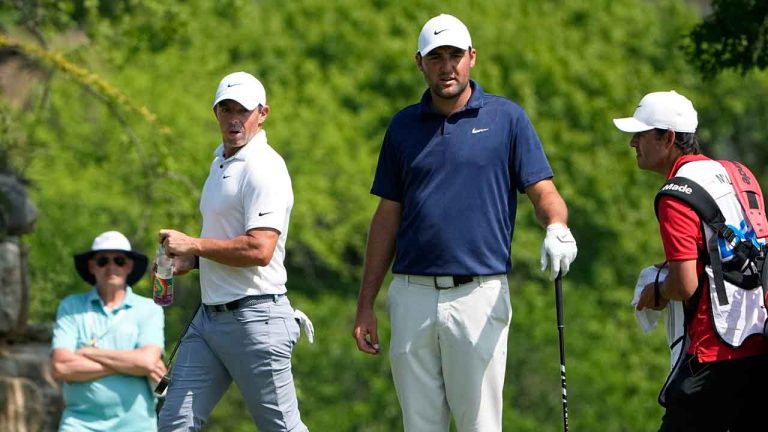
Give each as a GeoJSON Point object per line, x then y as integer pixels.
{"type": "Point", "coordinates": [90, 363]}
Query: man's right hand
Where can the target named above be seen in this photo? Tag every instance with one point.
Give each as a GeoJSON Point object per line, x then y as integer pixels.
{"type": "Point", "coordinates": [365, 332]}
{"type": "Point", "coordinates": [177, 243]}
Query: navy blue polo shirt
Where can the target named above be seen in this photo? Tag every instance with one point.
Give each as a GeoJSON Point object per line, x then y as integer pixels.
{"type": "Point", "coordinates": [455, 178]}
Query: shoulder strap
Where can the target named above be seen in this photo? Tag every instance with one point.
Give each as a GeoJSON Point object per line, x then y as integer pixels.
{"type": "Point", "coordinates": [749, 194]}
{"type": "Point", "coordinates": [695, 196]}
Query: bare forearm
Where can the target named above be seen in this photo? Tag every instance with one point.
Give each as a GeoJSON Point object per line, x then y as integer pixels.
{"type": "Point", "coordinates": [681, 281]}
{"type": "Point", "coordinates": [254, 248]}
{"type": "Point", "coordinates": [377, 262]}
{"type": "Point", "coordinates": [138, 362]}
{"type": "Point", "coordinates": [553, 210]}
{"type": "Point", "coordinates": [549, 206]}
{"type": "Point", "coordinates": [242, 251]}
{"type": "Point", "coordinates": [79, 368]}
{"type": "Point", "coordinates": [379, 252]}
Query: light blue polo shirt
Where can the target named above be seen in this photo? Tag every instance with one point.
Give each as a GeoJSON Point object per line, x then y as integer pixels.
{"type": "Point", "coordinates": [115, 403]}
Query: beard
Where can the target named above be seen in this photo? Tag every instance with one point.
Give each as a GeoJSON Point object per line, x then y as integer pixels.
{"type": "Point", "coordinates": [453, 92]}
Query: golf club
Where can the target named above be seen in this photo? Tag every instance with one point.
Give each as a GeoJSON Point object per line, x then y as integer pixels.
{"type": "Point", "coordinates": [166, 379]}
{"type": "Point", "coordinates": [560, 329]}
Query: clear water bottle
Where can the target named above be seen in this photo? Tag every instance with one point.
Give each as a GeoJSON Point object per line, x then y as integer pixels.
{"type": "Point", "coordinates": [162, 291]}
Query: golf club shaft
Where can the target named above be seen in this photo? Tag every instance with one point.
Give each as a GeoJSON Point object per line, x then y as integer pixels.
{"type": "Point", "coordinates": [175, 347]}
{"type": "Point", "coordinates": [560, 331]}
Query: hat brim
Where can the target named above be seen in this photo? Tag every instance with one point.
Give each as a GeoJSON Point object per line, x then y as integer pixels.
{"type": "Point", "coordinates": [249, 103]}
{"type": "Point", "coordinates": [456, 44]}
{"type": "Point", "coordinates": [631, 124]}
{"type": "Point", "coordinates": [140, 263]}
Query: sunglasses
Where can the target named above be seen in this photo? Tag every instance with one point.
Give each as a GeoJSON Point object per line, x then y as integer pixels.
{"type": "Point", "coordinates": [119, 261]}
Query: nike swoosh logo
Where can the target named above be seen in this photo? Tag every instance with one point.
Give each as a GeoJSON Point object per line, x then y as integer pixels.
{"type": "Point", "coordinates": [232, 85]}
{"type": "Point", "coordinates": [265, 213]}
{"type": "Point", "coordinates": [226, 176]}
{"type": "Point", "coordinates": [474, 131]}
{"type": "Point", "coordinates": [437, 32]}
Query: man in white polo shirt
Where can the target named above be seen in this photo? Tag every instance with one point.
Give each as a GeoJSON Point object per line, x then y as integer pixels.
{"type": "Point", "coordinates": [246, 329]}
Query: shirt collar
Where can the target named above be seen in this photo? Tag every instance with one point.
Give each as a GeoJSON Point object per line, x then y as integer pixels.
{"type": "Point", "coordinates": [248, 149]}
{"type": "Point", "coordinates": [682, 160]}
{"type": "Point", "coordinates": [128, 301]}
{"type": "Point", "coordinates": [475, 100]}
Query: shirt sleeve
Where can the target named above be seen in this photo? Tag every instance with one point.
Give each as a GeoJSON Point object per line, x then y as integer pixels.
{"type": "Point", "coordinates": [267, 197]}
{"type": "Point", "coordinates": [680, 229]}
{"type": "Point", "coordinates": [65, 329]}
{"type": "Point", "coordinates": [152, 328]}
{"type": "Point", "coordinates": [388, 183]}
{"type": "Point", "coordinates": [527, 162]}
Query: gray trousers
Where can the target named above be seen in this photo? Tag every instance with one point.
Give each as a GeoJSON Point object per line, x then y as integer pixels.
{"type": "Point", "coordinates": [252, 346]}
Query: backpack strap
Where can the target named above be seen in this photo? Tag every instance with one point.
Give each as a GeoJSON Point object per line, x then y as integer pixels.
{"type": "Point", "coordinates": [696, 197]}
{"type": "Point", "coordinates": [749, 194]}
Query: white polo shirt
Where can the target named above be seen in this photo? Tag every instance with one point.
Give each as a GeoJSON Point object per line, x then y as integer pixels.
{"type": "Point", "coordinates": [251, 189]}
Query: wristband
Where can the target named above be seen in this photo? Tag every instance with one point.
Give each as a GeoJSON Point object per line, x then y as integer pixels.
{"type": "Point", "coordinates": [197, 262]}
{"type": "Point", "coordinates": [656, 287]}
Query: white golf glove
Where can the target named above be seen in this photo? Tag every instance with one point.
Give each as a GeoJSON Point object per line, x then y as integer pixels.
{"type": "Point", "coordinates": [309, 329]}
{"type": "Point", "coordinates": [560, 247]}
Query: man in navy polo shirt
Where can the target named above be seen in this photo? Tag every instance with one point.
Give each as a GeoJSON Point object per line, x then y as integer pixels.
{"type": "Point", "coordinates": [447, 212]}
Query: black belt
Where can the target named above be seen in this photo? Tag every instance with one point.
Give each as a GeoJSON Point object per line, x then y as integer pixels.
{"type": "Point", "coordinates": [441, 282]}
{"type": "Point", "coordinates": [242, 302]}
{"type": "Point", "coordinates": [457, 280]}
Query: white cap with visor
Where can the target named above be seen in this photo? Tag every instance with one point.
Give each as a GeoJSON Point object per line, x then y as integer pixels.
{"type": "Point", "coordinates": [661, 110]}
{"type": "Point", "coordinates": [443, 30]}
{"type": "Point", "coordinates": [242, 88]}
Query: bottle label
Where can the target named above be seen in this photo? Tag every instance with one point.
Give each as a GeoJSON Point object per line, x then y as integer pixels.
{"type": "Point", "coordinates": [162, 292]}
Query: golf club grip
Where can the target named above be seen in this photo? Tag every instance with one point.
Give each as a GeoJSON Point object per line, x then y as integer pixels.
{"type": "Point", "coordinates": [559, 299]}
{"type": "Point", "coordinates": [561, 335]}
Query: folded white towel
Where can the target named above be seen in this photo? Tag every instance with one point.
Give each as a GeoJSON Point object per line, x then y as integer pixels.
{"type": "Point", "coordinates": [649, 318]}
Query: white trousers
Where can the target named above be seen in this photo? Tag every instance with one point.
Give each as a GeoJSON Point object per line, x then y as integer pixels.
{"type": "Point", "coordinates": [448, 352]}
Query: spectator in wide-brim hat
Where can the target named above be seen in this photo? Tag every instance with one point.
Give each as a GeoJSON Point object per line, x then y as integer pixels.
{"type": "Point", "coordinates": [108, 341]}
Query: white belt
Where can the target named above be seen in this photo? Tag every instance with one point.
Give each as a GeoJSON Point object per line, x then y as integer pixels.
{"type": "Point", "coordinates": [445, 282]}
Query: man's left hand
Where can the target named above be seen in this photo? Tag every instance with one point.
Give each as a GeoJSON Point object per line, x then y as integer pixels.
{"type": "Point", "coordinates": [560, 247]}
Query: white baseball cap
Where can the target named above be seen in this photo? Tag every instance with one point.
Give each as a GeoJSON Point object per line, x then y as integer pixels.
{"type": "Point", "coordinates": [443, 30]}
{"type": "Point", "coordinates": [661, 110]}
{"type": "Point", "coordinates": [242, 88]}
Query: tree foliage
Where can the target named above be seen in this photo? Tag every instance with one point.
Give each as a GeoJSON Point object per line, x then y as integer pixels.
{"type": "Point", "coordinates": [734, 36]}
{"type": "Point", "coordinates": [335, 73]}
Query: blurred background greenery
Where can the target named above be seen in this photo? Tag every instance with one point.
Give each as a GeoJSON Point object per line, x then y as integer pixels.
{"type": "Point", "coordinates": [105, 111]}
